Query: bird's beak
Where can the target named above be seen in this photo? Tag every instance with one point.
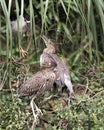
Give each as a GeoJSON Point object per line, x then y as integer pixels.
{"type": "Point", "coordinates": [27, 21]}
{"type": "Point", "coordinates": [45, 39]}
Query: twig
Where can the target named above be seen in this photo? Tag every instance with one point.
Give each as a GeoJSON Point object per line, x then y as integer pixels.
{"type": "Point", "coordinates": [91, 97]}
{"type": "Point", "coordinates": [97, 94]}
{"type": "Point", "coordinates": [47, 99]}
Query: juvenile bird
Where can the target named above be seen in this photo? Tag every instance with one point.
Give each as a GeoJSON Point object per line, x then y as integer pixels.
{"type": "Point", "coordinates": [48, 56]}
{"type": "Point", "coordinates": [36, 86]}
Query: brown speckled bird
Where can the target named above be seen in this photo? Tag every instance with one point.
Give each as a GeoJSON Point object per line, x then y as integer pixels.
{"type": "Point", "coordinates": [37, 85]}
{"type": "Point", "coordinates": [50, 56]}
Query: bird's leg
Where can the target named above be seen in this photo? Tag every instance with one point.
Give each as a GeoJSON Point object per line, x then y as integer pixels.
{"type": "Point", "coordinates": [72, 96]}
{"type": "Point", "coordinates": [32, 106]}
{"type": "Point", "coordinates": [38, 111]}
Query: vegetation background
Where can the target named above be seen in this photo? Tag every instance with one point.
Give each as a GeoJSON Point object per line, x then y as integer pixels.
{"type": "Point", "coordinates": [78, 27]}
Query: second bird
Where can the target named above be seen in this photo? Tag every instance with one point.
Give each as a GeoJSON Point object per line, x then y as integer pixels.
{"type": "Point", "coordinates": [50, 56]}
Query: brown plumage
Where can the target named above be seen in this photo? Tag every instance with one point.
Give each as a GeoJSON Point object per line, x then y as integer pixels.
{"type": "Point", "coordinates": [37, 84]}
{"type": "Point", "coordinates": [63, 76]}
{"type": "Point", "coordinates": [47, 61]}
{"type": "Point", "coordinates": [46, 58]}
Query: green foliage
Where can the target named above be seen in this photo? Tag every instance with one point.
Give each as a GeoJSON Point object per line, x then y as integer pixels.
{"type": "Point", "coordinates": [11, 115]}
{"type": "Point", "coordinates": [78, 25]}
{"type": "Point", "coordinates": [85, 113]}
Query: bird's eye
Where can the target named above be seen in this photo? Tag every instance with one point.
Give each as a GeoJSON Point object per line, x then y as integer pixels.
{"type": "Point", "coordinates": [47, 79]}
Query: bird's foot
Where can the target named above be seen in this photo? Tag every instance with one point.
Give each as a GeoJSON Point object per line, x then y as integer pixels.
{"type": "Point", "coordinates": [35, 117]}
{"type": "Point", "coordinates": [72, 96]}
{"type": "Point", "coordinates": [23, 52]}
{"type": "Point", "coordinates": [39, 112]}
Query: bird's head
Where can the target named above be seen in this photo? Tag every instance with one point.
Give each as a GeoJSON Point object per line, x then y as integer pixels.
{"type": "Point", "coordinates": [50, 43]}
{"type": "Point", "coordinates": [21, 22]}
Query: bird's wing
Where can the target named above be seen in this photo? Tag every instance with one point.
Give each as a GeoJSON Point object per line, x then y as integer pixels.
{"type": "Point", "coordinates": [38, 83]}
{"type": "Point", "coordinates": [67, 81]}
{"type": "Point", "coordinates": [65, 66]}
{"type": "Point", "coordinates": [47, 61]}
{"type": "Point", "coordinates": [63, 72]}
{"type": "Point", "coordinates": [60, 68]}
{"type": "Point", "coordinates": [31, 85]}
{"type": "Point", "coordinates": [48, 79]}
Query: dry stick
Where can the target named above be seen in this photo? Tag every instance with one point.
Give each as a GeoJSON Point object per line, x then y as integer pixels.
{"type": "Point", "coordinates": [79, 103]}
{"type": "Point", "coordinates": [47, 99]}
{"type": "Point", "coordinates": [91, 97]}
{"type": "Point", "coordinates": [81, 85]}
{"type": "Point", "coordinates": [92, 80]}
{"type": "Point", "coordinates": [93, 68]}
{"type": "Point", "coordinates": [17, 62]}
{"type": "Point", "coordinates": [87, 88]}
{"type": "Point", "coordinates": [96, 94]}
{"type": "Point", "coordinates": [91, 91]}
{"type": "Point", "coordinates": [33, 125]}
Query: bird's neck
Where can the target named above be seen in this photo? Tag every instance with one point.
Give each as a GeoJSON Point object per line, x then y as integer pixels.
{"type": "Point", "coordinates": [49, 50]}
